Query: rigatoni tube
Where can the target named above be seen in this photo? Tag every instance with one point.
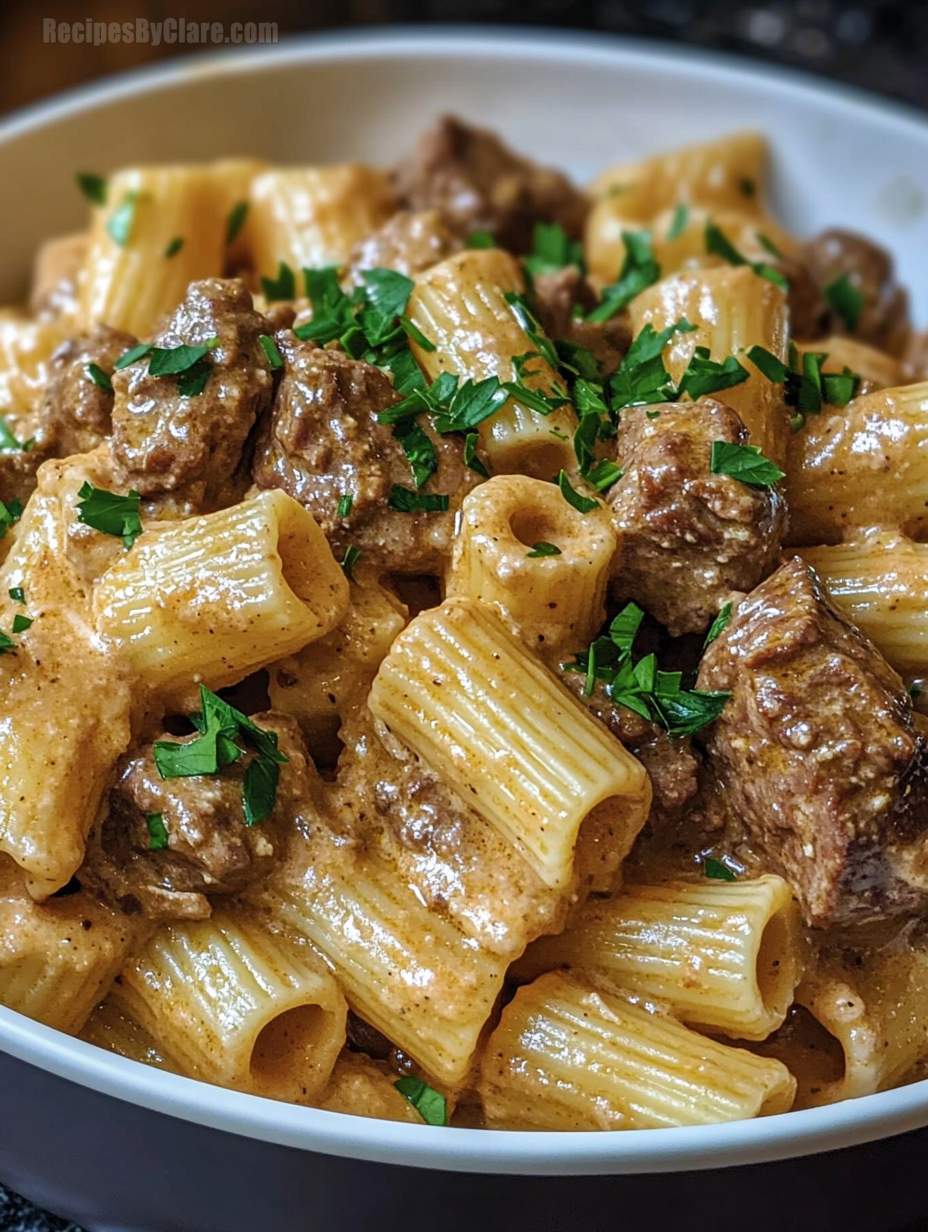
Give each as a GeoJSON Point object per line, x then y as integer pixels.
{"type": "Point", "coordinates": [566, 1057]}
{"type": "Point", "coordinates": [460, 306]}
{"type": "Point", "coordinates": [496, 725]}
{"type": "Point", "coordinates": [722, 956]}
{"type": "Point", "coordinates": [522, 550]}
{"type": "Point", "coordinates": [237, 1007]}
{"type": "Point", "coordinates": [213, 598]}
{"type": "Point", "coordinates": [733, 309]}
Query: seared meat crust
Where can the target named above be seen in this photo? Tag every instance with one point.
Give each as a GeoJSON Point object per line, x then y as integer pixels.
{"type": "Point", "coordinates": [884, 314]}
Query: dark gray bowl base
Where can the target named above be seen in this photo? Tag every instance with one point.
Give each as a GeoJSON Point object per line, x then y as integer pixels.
{"type": "Point", "coordinates": [113, 1167]}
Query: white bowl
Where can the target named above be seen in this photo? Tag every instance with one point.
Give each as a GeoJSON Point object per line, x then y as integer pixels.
{"type": "Point", "coordinates": [574, 101]}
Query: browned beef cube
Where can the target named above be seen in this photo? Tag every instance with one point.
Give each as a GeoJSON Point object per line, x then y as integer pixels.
{"type": "Point", "coordinates": [884, 312]}
{"type": "Point", "coordinates": [409, 243]}
{"type": "Point", "coordinates": [817, 755]}
{"type": "Point", "coordinates": [557, 297]}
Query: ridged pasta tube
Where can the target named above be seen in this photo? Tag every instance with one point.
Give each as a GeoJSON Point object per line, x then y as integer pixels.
{"type": "Point", "coordinates": [460, 307]}
{"type": "Point", "coordinates": [724, 956]}
{"type": "Point", "coordinates": [863, 465]}
{"type": "Point", "coordinates": [496, 725]}
{"type": "Point", "coordinates": [25, 349]}
{"type": "Point", "coordinates": [553, 602]}
{"type": "Point", "coordinates": [567, 1057]}
{"type": "Point", "coordinates": [880, 582]}
{"type": "Point", "coordinates": [110, 1027]}
{"type": "Point", "coordinates": [877, 368]}
{"type": "Point", "coordinates": [733, 309]}
{"type": "Point", "coordinates": [135, 274]}
{"type": "Point", "coordinates": [213, 598]}
{"type": "Point", "coordinates": [238, 1007]}
{"type": "Point", "coordinates": [313, 216]}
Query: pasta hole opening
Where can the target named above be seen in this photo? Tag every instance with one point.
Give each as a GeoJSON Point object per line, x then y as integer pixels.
{"type": "Point", "coordinates": [531, 526]}
{"type": "Point", "coordinates": [811, 1053]}
{"type": "Point", "coordinates": [296, 562]}
{"type": "Point", "coordinates": [777, 973]}
{"type": "Point", "coordinates": [283, 1059]}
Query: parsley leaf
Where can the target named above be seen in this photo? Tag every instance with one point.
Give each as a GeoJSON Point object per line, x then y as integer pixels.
{"type": "Point", "coordinates": [745, 463]}
{"type": "Point", "coordinates": [21, 623]}
{"type": "Point", "coordinates": [808, 387]}
{"type": "Point", "coordinates": [471, 443]}
{"type": "Point", "coordinates": [845, 300]}
{"type": "Point", "coordinates": [415, 333]}
{"type": "Point", "coordinates": [470, 404]}
{"type": "Point", "coordinates": [16, 593]}
{"type": "Point", "coordinates": [767, 243]}
{"type": "Point", "coordinates": [170, 361]}
{"type": "Point", "coordinates": [134, 354]}
{"type": "Point", "coordinates": [9, 443]}
{"type": "Point", "coordinates": [96, 374]}
{"type": "Point", "coordinates": [719, 243]}
{"type": "Point", "coordinates": [403, 500]}
{"type": "Point", "coordinates": [157, 831]}
{"type": "Point", "coordinates": [349, 560]}
{"type": "Point", "coordinates": [121, 222]}
{"type": "Point", "coordinates": [716, 870]}
{"type": "Point", "coordinates": [94, 187]}
{"type": "Point", "coordinates": [110, 513]}
{"type": "Point", "coordinates": [719, 625]}
{"type": "Point", "coordinates": [419, 450]}
{"type": "Point", "coordinates": [624, 628]}
{"type": "Point", "coordinates": [388, 294]}
{"type": "Point", "coordinates": [6, 643]}
{"type": "Point", "coordinates": [704, 376]}
{"type": "Point", "coordinates": [480, 239]}
{"type": "Point", "coordinates": [271, 352]}
{"type": "Point", "coordinates": [174, 247]}
{"type": "Point", "coordinates": [582, 504]}
{"type": "Point", "coordinates": [639, 271]}
{"type": "Point", "coordinates": [281, 287]}
{"type": "Point", "coordinates": [190, 384]}
{"type": "Point", "coordinates": [603, 475]}
{"type": "Point", "coordinates": [543, 549]}
{"type": "Point", "coordinates": [642, 379]}
{"type": "Point", "coordinates": [681, 217]}
{"type": "Point", "coordinates": [345, 501]}
{"type": "Point", "coordinates": [552, 250]}
{"type": "Point", "coordinates": [236, 220]}
{"type": "Point", "coordinates": [429, 1103]}
{"type": "Point", "coordinates": [10, 513]}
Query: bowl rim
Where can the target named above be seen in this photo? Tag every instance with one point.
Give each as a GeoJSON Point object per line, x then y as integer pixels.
{"type": "Point", "coordinates": [547, 1153]}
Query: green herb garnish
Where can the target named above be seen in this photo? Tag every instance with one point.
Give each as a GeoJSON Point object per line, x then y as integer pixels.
{"type": "Point", "coordinates": [157, 831]}
{"type": "Point", "coordinates": [21, 623]}
{"type": "Point", "coordinates": [845, 300]}
{"type": "Point", "coordinates": [716, 870]}
{"type": "Point", "coordinates": [96, 374]}
{"type": "Point", "coordinates": [121, 222]}
{"type": "Point", "coordinates": [403, 500]}
{"type": "Point", "coordinates": [583, 504]}
{"type": "Point", "coordinates": [174, 247]}
{"type": "Point", "coordinates": [271, 351]}
{"type": "Point", "coordinates": [719, 625]}
{"type": "Point", "coordinates": [717, 242]}
{"type": "Point", "coordinates": [93, 186]}
{"type": "Point", "coordinates": [281, 287]}
{"type": "Point", "coordinates": [543, 549]}
{"type": "Point", "coordinates": [10, 513]}
{"type": "Point", "coordinates": [349, 560]}
{"type": "Point", "coordinates": [429, 1103]}
{"type": "Point", "coordinates": [16, 593]}
{"type": "Point", "coordinates": [346, 500]}
{"type": "Point", "coordinates": [471, 444]}
{"type": "Point", "coordinates": [639, 271]}
{"type": "Point", "coordinates": [110, 513]}
{"type": "Point", "coordinates": [704, 376]}
{"type": "Point", "coordinates": [480, 239]}
{"type": "Point", "coordinates": [236, 220]}
{"type": "Point", "coordinates": [681, 217]}
{"type": "Point", "coordinates": [745, 463]}
{"type": "Point", "coordinates": [552, 250]}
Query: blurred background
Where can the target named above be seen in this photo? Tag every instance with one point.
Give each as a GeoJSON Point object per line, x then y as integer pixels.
{"type": "Point", "coordinates": [881, 45]}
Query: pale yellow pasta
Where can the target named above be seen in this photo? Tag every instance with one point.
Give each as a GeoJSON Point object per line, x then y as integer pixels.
{"type": "Point", "coordinates": [238, 1007]}
{"type": "Point", "coordinates": [65, 720]}
{"type": "Point", "coordinates": [58, 958]}
{"type": "Point", "coordinates": [460, 306]}
{"type": "Point", "coordinates": [733, 310]}
{"type": "Point", "coordinates": [567, 1057]}
{"type": "Point", "coordinates": [862, 465]}
{"type": "Point", "coordinates": [112, 1028]}
{"type": "Point", "coordinates": [880, 581]}
{"type": "Point", "coordinates": [876, 368]}
{"type": "Point", "coordinates": [726, 173]}
{"type": "Point", "coordinates": [723, 956]}
{"type": "Point", "coordinates": [232, 179]}
{"type": "Point", "coordinates": [360, 1087]}
{"type": "Point", "coordinates": [494, 723]}
{"type": "Point", "coordinates": [405, 969]}
{"type": "Point", "coordinates": [327, 682]}
{"type": "Point", "coordinates": [134, 280]}
{"type": "Point", "coordinates": [215, 597]}
{"type": "Point", "coordinates": [308, 217]}
{"type": "Point", "coordinates": [25, 350]}
{"type": "Point", "coordinates": [877, 1010]}
{"type": "Point", "coordinates": [554, 603]}
{"type": "Point", "coordinates": [56, 275]}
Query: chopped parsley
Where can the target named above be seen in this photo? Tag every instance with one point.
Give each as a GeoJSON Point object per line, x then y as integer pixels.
{"type": "Point", "coordinates": [133, 355]}
{"type": "Point", "coordinates": [271, 351]}
{"type": "Point", "coordinates": [345, 501]}
{"type": "Point", "coordinates": [639, 271]}
{"type": "Point", "coordinates": [552, 250]}
{"type": "Point", "coordinates": [480, 239]}
{"type": "Point", "coordinates": [96, 374]}
{"type": "Point", "coordinates": [10, 513]}
{"type": "Point", "coordinates": [642, 378]}
{"type": "Point", "coordinates": [281, 287]}
{"type": "Point", "coordinates": [404, 500]}
{"type": "Point", "coordinates": [805, 386]}
{"type": "Point", "coordinates": [226, 735]}
{"type": "Point", "coordinates": [6, 643]}
{"type": "Point", "coordinates": [767, 243]}
{"type": "Point", "coordinates": [719, 243]}
{"type": "Point", "coordinates": [640, 686]}
{"type": "Point", "coordinates": [21, 623]}
{"type": "Point", "coordinates": [716, 870]}
{"type": "Point", "coordinates": [681, 217]}
{"type": "Point", "coordinates": [17, 594]}
{"type": "Point", "coordinates": [236, 220]}
{"type": "Point", "coordinates": [543, 549]}
{"type": "Point", "coordinates": [9, 443]}
{"type": "Point", "coordinates": [719, 625]}
{"type": "Point", "coordinates": [429, 1103]}
{"type": "Point", "coordinates": [187, 363]}
{"type": "Point", "coordinates": [582, 504]}
{"type": "Point", "coordinates": [705, 376]}
{"type": "Point", "coordinates": [157, 831]}
{"type": "Point", "coordinates": [349, 560]}
{"type": "Point", "coordinates": [93, 186]}
{"type": "Point", "coordinates": [388, 293]}
{"type": "Point", "coordinates": [415, 333]}
{"type": "Point", "coordinates": [110, 513]}
{"type": "Point", "coordinates": [419, 450]}
{"type": "Point", "coordinates": [845, 300]}
{"type": "Point", "coordinates": [121, 222]}
{"type": "Point", "coordinates": [471, 444]}
{"type": "Point", "coordinates": [174, 247]}
{"type": "Point", "coordinates": [745, 463]}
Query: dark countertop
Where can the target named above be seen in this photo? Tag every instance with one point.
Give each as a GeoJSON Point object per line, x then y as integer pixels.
{"type": "Point", "coordinates": [880, 45]}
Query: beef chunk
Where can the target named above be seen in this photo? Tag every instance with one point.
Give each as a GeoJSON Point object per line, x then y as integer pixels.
{"type": "Point", "coordinates": [478, 184]}
{"type": "Point", "coordinates": [210, 848]}
{"type": "Point", "coordinates": [688, 537]}
{"type": "Point", "coordinates": [409, 243]}
{"type": "Point", "coordinates": [558, 295]}
{"type": "Point", "coordinates": [185, 453]}
{"type": "Point", "coordinates": [818, 755]}
{"type": "Point", "coordinates": [884, 315]}
{"type": "Point", "coordinates": [323, 440]}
